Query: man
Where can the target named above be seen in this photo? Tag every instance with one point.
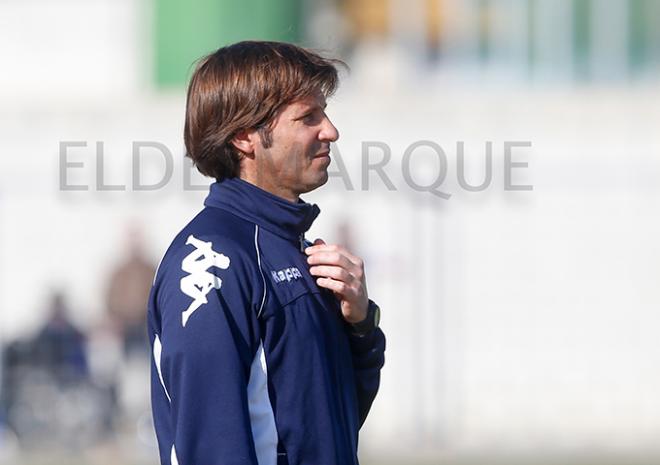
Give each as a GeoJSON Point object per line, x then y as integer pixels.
{"type": "Point", "coordinates": [266, 348]}
{"type": "Point", "coordinates": [128, 289]}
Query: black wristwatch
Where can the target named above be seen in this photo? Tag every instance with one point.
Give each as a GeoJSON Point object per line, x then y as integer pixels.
{"type": "Point", "coordinates": [369, 323]}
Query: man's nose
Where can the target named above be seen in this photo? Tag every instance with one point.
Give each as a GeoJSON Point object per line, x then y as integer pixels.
{"type": "Point", "coordinates": [328, 131]}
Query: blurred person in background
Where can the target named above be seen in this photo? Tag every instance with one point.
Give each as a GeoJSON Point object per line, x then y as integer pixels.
{"type": "Point", "coordinates": [128, 291]}
{"type": "Point", "coordinates": [59, 347]}
{"type": "Point", "coordinates": [266, 347]}
{"type": "Point", "coordinates": [49, 396]}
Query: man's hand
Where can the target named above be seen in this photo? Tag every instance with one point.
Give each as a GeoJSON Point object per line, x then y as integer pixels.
{"type": "Point", "coordinates": [343, 273]}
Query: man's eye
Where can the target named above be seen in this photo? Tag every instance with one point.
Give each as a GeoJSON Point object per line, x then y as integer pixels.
{"type": "Point", "coordinates": [313, 117]}
{"type": "Point", "coordinates": [308, 117]}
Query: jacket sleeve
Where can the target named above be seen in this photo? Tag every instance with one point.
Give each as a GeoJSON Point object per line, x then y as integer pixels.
{"type": "Point", "coordinates": [368, 358]}
{"type": "Point", "coordinates": [204, 337]}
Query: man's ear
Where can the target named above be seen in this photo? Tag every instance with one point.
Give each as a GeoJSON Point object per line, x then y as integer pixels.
{"type": "Point", "coordinates": [245, 141]}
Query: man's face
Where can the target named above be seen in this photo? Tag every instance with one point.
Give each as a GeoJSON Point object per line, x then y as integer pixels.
{"type": "Point", "coordinates": [299, 154]}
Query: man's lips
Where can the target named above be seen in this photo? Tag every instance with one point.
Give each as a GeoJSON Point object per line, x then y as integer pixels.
{"type": "Point", "coordinates": [323, 154]}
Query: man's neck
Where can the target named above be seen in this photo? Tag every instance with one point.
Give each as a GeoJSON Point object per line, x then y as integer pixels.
{"type": "Point", "coordinates": [270, 188]}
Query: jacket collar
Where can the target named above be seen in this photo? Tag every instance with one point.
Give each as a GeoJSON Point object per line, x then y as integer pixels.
{"type": "Point", "coordinates": [275, 214]}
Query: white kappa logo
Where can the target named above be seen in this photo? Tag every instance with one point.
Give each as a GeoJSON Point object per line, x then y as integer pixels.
{"type": "Point", "coordinates": [287, 274]}
{"type": "Point", "coordinates": [200, 281]}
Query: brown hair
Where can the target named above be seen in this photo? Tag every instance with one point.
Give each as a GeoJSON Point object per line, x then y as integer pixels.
{"type": "Point", "coordinates": [244, 86]}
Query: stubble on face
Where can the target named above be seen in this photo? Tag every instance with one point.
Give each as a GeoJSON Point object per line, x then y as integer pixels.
{"type": "Point", "coordinates": [291, 171]}
{"type": "Point", "coordinates": [294, 160]}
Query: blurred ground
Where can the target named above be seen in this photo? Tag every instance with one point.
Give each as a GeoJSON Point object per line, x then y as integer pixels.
{"type": "Point", "coordinates": [118, 459]}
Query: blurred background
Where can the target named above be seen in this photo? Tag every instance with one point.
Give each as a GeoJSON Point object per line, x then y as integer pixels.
{"type": "Point", "coordinates": [520, 304]}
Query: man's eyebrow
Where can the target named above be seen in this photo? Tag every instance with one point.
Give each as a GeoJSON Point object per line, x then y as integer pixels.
{"type": "Point", "coordinates": [314, 106]}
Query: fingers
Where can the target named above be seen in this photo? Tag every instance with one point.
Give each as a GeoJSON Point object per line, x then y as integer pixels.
{"type": "Point", "coordinates": [335, 272]}
{"type": "Point", "coordinates": [341, 288]}
{"type": "Point", "coordinates": [353, 297]}
{"type": "Point", "coordinates": [337, 269]}
{"type": "Point", "coordinates": [339, 280]}
{"type": "Point", "coordinates": [330, 258]}
{"type": "Point", "coordinates": [321, 246]}
{"type": "Point", "coordinates": [341, 272]}
{"type": "Point", "coordinates": [335, 286]}
{"type": "Point", "coordinates": [335, 261]}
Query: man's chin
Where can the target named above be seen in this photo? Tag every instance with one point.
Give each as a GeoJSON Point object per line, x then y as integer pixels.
{"type": "Point", "coordinates": [320, 181]}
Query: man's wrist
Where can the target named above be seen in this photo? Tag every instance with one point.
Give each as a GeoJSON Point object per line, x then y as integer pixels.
{"type": "Point", "coordinates": [369, 323]}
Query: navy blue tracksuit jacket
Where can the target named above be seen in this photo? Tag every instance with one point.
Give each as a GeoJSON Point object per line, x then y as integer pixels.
{"type": "Point", "coordinates": [252, 361]}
